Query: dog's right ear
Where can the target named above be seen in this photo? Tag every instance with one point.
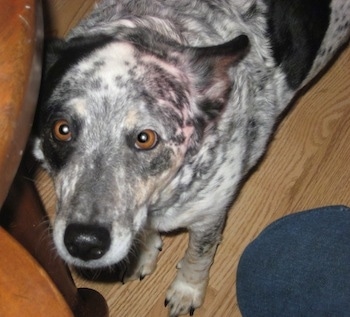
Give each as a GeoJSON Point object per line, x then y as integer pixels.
{"type": "Point", "coordinates": [53, 49]}
{"type": "Point", "coordinates": [67, 52]}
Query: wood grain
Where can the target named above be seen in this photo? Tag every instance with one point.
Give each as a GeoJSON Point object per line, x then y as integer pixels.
{"type": "Point", "coordinates": [31, 297]}
{"type": "Point", "coordinates": [20, 64]}
{"type": "Point", "coordinates": [306, 166]}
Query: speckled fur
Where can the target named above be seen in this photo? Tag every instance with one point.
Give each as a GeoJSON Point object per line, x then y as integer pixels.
{"type": "Point", "coordinates": [214, 117]}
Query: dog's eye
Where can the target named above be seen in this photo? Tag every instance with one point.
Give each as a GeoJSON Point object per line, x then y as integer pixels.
{"type": "Point", "coordinates": [61, 131]}
{"type": "Point", "coordinates": [146, 139]}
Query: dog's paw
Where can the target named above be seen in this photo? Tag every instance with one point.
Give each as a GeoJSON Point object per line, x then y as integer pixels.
{"type": "Point", "coordinates": [146, 262]}
{"type": "Point", "coordinates": [184, 297]}
{"type": "Point", "coordinates": [146, 265]}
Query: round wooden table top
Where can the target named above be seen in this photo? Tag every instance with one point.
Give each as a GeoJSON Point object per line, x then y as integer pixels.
{"type": "Point", "coordinates": [21, 34]}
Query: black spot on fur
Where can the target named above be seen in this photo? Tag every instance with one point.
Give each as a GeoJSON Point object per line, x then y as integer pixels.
{"type": "Point", "coordinates": [296, 30]}
{"type": "Point", "coordinates": [160, 163]}
{"type": "Point", "coordinates": [251, 12]}
{"type": "Point", "coordinates": [96, 83]}
{"type": "Point", "coordinates": [132, 72]}
{"type": "Point", "coordinates": [99, 63]}
{"type": "Point", "coordinates": [178, 139]}
{"type": "Point", "coordinates": [212, 108]}
{"type": "Point", "coordinates": [252, 130]}
{"type": "Point", "coordinates": [209, 239]}
{"type": "Point", "coordinates": [118, 79]}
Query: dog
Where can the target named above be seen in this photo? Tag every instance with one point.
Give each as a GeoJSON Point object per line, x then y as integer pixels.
{"type": "Point", "coordinates": [152, 113]}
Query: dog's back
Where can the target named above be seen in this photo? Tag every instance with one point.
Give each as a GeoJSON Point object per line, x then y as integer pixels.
{"type": "Point", "coordinates": [306, 35]}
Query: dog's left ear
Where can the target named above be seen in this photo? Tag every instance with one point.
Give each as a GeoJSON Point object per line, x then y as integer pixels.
{"type": "Point", "coordinates": [210, 67]}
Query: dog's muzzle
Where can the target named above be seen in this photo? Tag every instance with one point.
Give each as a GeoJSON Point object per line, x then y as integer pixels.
{"type": "Point", "coordinates": [87, 242]}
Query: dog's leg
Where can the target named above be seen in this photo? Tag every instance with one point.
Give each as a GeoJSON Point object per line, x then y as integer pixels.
{"type": "Point", "coordinates": [187, 291]}
{"type": "Point", "coordinates": [149, 246]}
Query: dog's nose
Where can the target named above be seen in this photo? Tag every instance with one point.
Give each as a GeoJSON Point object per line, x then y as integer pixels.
{"type": "Point", "coordinates": [87, 242]}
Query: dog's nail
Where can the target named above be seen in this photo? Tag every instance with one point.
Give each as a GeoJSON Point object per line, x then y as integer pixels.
{"type": "Point", "coordinates": [166, 302]}
{"type": "Point", "coordinates": [123, 277]}
{"type": "Point", "coordinates": [142, 277]}
{"type": "Point", "coordinates": [160, 249]}
{"type": "Point", "coordinates": [192, 309]}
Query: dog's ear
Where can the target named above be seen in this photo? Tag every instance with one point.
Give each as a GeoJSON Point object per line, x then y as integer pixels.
{"type": "Point", "coordinates": [210, 66]}
{"type": "Point", "coordinates": [53, 48]}
{"type": "Point", "coordinates": [72, 50]}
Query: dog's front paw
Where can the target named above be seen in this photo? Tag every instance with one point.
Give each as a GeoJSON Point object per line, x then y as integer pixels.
{"type": "Point", "coordinates": [146, 261]}
{"type": "Point", "coordinates": [146, 265]}
{"type": "Point", "coordinates": [184, 297]}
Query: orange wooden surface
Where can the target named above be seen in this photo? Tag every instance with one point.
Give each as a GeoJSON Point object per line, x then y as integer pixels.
{"type": "Point", "coordinates": [26, 289]}
{"type": "Point", "coordinates": [20, 70]}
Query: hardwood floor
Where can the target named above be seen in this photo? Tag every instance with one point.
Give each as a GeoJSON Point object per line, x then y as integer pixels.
{"type": "Point", "coordinates": [306, 166]}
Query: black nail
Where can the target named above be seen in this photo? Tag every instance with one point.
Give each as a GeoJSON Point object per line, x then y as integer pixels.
{"type": "Point", "coordinates": [123, 277]}
{"type": "Point", "coordinates": [166, 302]}
{"type": "Point", "coordinates": [192, 309]}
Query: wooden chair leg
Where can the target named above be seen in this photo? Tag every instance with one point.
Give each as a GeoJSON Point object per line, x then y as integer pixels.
{"type": "Point", "coordinates": [23, 216]}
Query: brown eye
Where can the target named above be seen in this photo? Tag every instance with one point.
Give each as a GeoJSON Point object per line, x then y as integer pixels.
{"type": "Point", "coordinates": [61, 131]}
{"type": "Point", "coordinates": [146, 140]}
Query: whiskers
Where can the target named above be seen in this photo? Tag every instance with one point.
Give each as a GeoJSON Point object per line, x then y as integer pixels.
{"type": "Point", "coordinates": [45, 241]}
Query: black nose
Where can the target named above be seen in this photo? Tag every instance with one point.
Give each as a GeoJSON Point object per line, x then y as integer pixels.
{"type": "Point", "coordinates": [87, 242]}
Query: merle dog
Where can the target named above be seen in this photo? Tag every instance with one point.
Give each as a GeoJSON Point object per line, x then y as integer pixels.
{"type": "Point", "coordinates": [153, 111]}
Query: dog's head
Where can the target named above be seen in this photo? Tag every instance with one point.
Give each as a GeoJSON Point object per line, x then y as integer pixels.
{"type": "Point", "coordinates": [118, 118]}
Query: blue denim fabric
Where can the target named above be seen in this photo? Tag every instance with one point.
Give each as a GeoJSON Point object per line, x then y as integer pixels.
{"type": "Point", "coordinates": [298, 266]}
